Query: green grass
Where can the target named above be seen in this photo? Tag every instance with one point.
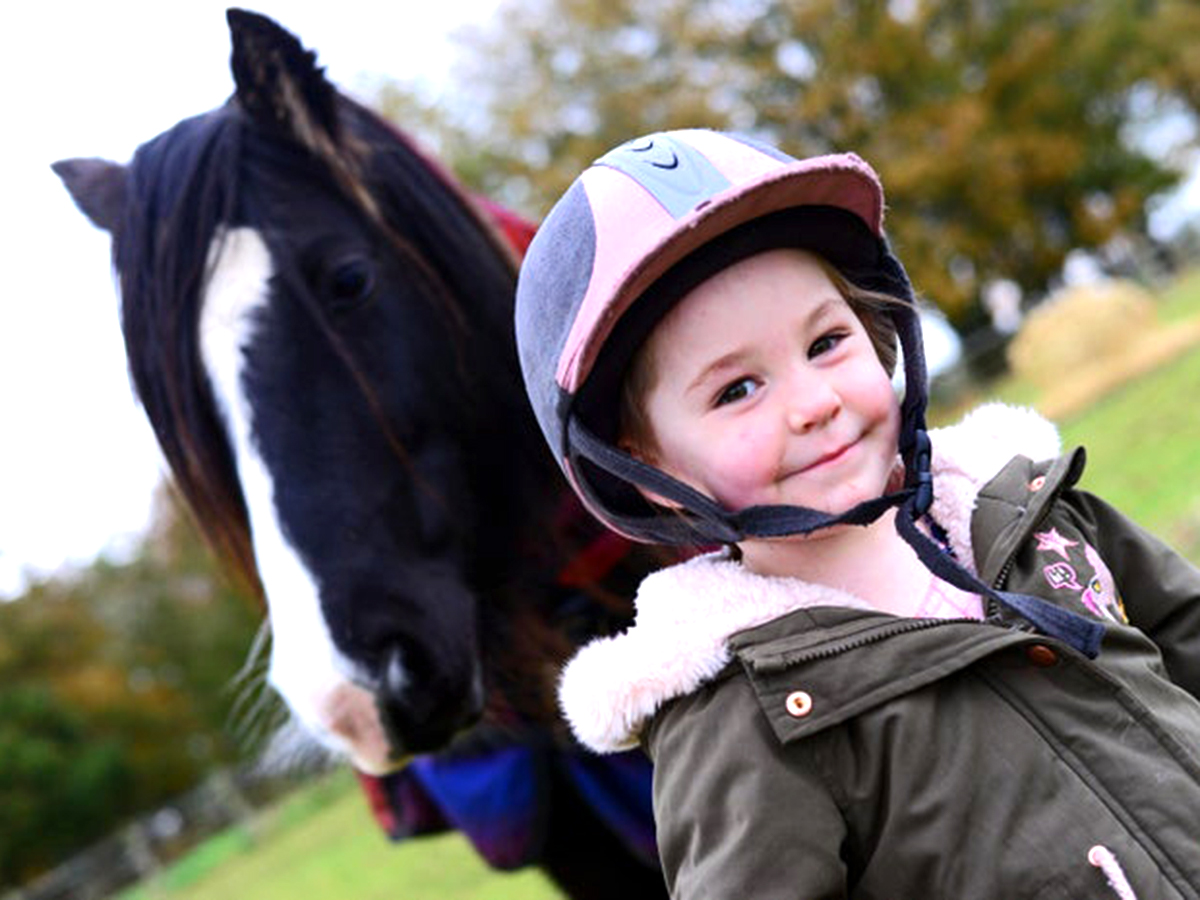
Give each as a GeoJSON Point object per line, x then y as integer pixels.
{"type": "Point", "coordinates": [1143, 443]}
{"type": "Point", "coordinates": [321, 842]}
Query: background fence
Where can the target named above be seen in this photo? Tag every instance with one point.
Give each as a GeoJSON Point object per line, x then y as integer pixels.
{"type": "Point", "coordinates": [141, 849]}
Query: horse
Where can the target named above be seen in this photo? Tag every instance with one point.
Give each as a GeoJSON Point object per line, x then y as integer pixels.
{"type": "Point", "coordinates": [318, 324]}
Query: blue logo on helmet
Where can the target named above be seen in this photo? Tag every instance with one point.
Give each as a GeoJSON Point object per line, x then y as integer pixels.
{"type": "Point", "coordinates": [676, 175]}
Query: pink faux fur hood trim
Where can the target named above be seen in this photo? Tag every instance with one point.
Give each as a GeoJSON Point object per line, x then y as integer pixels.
{"type": "Point", "coordinates": [686, 613]}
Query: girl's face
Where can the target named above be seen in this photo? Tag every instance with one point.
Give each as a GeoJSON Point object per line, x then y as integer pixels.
{"type": "Point", "coordinates": [765, 389]}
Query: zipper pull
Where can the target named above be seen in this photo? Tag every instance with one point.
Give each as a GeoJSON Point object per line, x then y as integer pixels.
{"type": "Point", "coordinates": [1104, 860]}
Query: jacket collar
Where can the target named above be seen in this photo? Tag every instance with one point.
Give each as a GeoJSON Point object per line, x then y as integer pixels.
{"type": "Point", "coordinates": [686, 613]}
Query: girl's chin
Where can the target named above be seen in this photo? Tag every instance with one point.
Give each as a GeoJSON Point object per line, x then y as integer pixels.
{"type": "Point", "coordinates": [842, 501]}
{"type": "Point", "coordinates": [819, 535]}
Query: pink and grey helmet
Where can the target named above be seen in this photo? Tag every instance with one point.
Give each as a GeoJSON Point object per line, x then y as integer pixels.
{"type": "Point", "coordinates": [635, 232]}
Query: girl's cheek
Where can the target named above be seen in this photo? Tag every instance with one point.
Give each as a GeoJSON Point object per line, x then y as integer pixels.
{"type": "Point", "coordinates": [746, 464]}
{"type": "Point", "coordinates": [880, 396]}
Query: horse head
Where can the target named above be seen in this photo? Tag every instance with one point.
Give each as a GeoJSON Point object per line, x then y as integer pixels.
{"type": "Point", "coordinates": [318, 325]}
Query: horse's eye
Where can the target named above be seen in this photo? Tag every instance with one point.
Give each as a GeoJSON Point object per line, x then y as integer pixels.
{"type": "Point", "coordinates": [350, 282]}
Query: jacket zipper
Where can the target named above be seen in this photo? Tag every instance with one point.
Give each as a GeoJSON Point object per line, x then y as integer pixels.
{"type": "Point", "coordinates": [905, 626]}
{"type": "Point", "coordinates": [992, 606]}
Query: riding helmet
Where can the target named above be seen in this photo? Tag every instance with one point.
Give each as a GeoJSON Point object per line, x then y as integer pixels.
{"type": "Point", "coordinates": [643, 225]}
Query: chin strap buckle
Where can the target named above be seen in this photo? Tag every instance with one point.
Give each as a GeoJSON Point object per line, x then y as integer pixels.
{"type": "Point", "coordinates": [922, 477]}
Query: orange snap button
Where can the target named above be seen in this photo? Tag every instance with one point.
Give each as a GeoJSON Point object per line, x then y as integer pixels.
{"type": "Point", "coordinates": [1041, 656]}
{"type": "Point", "coordinates": [799, 703]}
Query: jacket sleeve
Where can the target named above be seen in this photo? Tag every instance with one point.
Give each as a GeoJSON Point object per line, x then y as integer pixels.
{"type": "Point", "coordinates": [1160, 589]}
{"type": "Point", "coordinates": [738, 814]}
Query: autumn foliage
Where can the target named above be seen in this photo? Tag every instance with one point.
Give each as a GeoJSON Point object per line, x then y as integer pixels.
{"type": "Point", "coordinates": [1007, 132]}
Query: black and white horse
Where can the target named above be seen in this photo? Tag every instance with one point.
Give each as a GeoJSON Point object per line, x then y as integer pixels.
{"type": "Point", "coordinates": [318, 324]}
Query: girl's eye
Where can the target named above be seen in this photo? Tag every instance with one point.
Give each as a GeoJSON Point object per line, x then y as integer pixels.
{"type": "Point", "coordinates": [825, 343]}
{"type": "Point", "coordinates": [736, 390]}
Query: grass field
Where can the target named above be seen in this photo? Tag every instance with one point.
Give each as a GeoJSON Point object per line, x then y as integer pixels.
{"type": "Point", "coordinates": [1142, 436]}
{"type": "Point", "coordinates": [1143, 442]}
{"type": "Point", "coordinates": [321, 842]}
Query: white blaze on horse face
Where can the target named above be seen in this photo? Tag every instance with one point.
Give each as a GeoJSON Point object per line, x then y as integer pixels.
{"type": "Point", "coordinates": [315, 680]}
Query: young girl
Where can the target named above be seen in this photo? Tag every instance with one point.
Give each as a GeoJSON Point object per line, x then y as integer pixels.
{"type": "Point", "coordinates": [923, 665]}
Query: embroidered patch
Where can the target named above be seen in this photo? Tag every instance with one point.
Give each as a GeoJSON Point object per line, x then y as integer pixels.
{"type": "Point", "coordinates": [1101, 595]}
{"type": "Point", "coordinates": [1061, 575]}
{"type": "Point", "coordinates": [1096, 589]}
{"type": "Point", "coordinates": [1052, 540]}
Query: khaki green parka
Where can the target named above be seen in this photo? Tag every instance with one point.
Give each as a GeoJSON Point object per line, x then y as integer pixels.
{"type": "Point", "coordinates": [827, 750]}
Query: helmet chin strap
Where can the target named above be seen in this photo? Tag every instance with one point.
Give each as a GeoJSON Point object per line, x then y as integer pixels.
{"type": "Point", "coordinates": [1080, 632]}
{"type": "Point", "coordinates": [703, 520]}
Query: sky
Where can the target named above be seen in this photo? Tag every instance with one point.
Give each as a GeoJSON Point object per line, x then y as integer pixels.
{"type": "Point", "coordinates": [78, 462]}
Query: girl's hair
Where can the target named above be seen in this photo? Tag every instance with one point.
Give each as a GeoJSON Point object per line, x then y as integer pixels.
{"type": "Point", "coordinates": [871, 307]}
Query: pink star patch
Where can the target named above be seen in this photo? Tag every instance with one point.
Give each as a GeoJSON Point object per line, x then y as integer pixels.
{"type": "Point", "coordinates": [1052, 540]}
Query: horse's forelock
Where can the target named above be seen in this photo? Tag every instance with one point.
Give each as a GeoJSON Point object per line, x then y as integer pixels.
{"type": "Point", "coordinates": [183, 187]}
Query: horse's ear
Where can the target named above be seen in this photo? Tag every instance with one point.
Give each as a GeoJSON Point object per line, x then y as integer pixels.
{"type": "Point", "coordinates": [98, 188]}
{"type": "Point", "coordinates": [279, 84]}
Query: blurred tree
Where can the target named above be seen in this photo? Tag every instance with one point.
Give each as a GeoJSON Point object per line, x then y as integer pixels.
{"type": "Point", "coordinates": [117, 693]}
{"type": "Point", "coordinates": [1001, 128]}
{"type": "Point", "coordinates": [59, 786]}
{"type": "Point", "coordinates": [1171, 35]}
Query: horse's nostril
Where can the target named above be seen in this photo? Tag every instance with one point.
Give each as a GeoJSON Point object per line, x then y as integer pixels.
{"type": "Point", "coordinates": [418, 720]}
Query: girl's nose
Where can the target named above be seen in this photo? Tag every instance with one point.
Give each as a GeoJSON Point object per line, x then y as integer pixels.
{"type": "Point", "coordinates": [812, 402]}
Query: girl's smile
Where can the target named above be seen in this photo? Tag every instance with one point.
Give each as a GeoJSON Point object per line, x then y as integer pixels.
{"type": "Point", "coordinates": [831, 457]}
